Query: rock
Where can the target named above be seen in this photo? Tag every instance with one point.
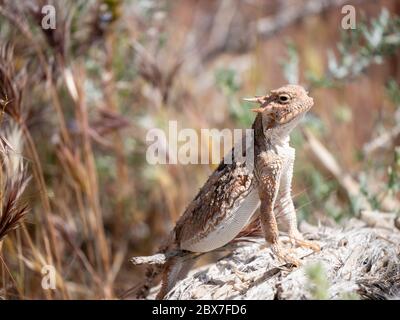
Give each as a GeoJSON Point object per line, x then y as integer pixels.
{"type": "Point", "coordinates": [354, 262]}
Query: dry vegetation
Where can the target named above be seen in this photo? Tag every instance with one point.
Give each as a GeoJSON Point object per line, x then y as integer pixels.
{"type": "Point", "coordinates": [77, 102]}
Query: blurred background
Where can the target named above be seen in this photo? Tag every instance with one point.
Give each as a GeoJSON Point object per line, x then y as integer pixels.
{"type": "Point", "coordinates": [77, 102]}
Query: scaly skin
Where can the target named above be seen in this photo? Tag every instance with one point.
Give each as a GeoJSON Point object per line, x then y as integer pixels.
{"type": "Point", "coordinates": [229, 199]}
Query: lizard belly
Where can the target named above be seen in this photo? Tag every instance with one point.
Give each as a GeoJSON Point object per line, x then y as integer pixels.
{"type": "Point", "coordinates": [227, 229]}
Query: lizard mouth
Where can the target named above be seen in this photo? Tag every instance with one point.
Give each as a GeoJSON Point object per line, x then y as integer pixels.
{"type": "Point", "coordinates": [291, 116]}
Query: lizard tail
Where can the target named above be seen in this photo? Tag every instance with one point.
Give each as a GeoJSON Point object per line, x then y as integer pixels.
{"type": "Point", "coordinates": [156, 265]}
{"type": "Point", "coordinates": [151, 278]}
{"type": "Point", "coordinates": [175, 269]}
{"type": "Point", "coordinates": [141, 289]}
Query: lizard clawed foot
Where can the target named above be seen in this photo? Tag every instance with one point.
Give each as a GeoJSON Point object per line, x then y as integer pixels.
{"type": "Point", "coordinates": [296, 239]}
{"type": "Point", "coordinates": [283, 256]}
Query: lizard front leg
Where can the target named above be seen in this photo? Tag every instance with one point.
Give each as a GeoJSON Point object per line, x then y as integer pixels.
{"type": "Point", "coordinates": [268, 172]}
{"type": "Point", "coordinates": [285, 209]}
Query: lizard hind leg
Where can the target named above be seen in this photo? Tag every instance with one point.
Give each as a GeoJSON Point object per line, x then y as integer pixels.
{"type": "Point", "coordinates": [297, 239]}
{"type": "Point", "coordinates": [175, 269]}
{"type": "Point", "coordinates": [288, 223]}
{"type": "Point", "coordinates": [282, 254]}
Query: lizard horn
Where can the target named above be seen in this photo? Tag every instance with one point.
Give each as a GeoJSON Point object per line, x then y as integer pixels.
{"type": "Point", "coordinates": [255, 99]}
{"type": "Point", "coordinates": [258, 99]}
{"type": "Point", "coordinates": [258, 110]}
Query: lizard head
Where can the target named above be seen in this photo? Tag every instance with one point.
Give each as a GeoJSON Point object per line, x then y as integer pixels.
{"type": "Point", "coordinates": [283, 106]}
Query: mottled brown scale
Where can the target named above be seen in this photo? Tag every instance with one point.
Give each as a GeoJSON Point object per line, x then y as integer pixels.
{"type": "Point", "coordinates": [225, 187]}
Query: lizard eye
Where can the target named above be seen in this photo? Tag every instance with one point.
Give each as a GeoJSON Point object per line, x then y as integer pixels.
{"type": "Point", "coordinates": [284, 98]}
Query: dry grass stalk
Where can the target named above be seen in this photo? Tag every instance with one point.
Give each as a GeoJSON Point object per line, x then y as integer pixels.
{"type": "Point", "coordinates": [13, 182]}
{"type": "Point", "coordinates": [326, 161]}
